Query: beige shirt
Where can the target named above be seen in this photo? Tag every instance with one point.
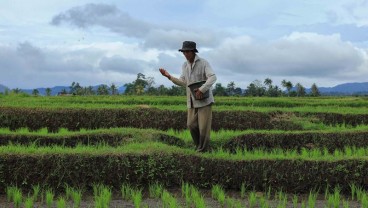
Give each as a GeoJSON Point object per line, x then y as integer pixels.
{"type": "Point", "coordinates": [200, 70]}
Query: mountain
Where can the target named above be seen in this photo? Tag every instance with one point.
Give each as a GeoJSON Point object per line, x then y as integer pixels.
{"type": "Point", "coordinates": [3, 88]}
{"type": "Point", "coordinates": [55, 90]}
{"type": "Point", "coordinates": [345, 89]}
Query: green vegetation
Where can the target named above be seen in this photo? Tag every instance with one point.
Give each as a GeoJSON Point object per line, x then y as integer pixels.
{"type": "Point", "coordinates": [54, 150]}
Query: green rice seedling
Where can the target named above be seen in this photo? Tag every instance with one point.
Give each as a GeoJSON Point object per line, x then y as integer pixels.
{"type": "Point", "coordinates": [28, 202]}
{"type": "Point", "coordinates": [356, 192]}
{"type": "Point", "coordinates": [36, 192]}
{"type": "Point", "coordinates": [155, 190]}
{"type": "Point", "coordinates": [168, 200]}
{"type": "Point", "coordinates": [242, 190]}
{"type": "Point", "coordinates": [295, 201]}
{"type": "Point", "coordinates": [333, 200]}
{"type": "Point", "coordinates": [61, 203]}
{"type": "Point", "coordinates": [49, 198]}
{"type": "Point", "coordinates": [282, 199]}
{"type": "Point", "coordinates": [76, 195]}
{"type": "Point", "coordinates": [230, 202]}
{"type": "Point", "coordinates": [269, 193]}
{"type": "Point", "coordinates": [126, 192]}
{"type": "Point", "coordinates": [17, 197]}
{"type": "Point", "coordinates": [137, 197]}
{"type": "Point", "coordinates": [10, 192]}
{"type": "Point", "coordinates": [345, 204]}
{"type": "Point", "coordinates": [185, 192]}
{"type": "Point", "coordinates": [303, 204]}
{"type": "Point", "coordinates": [68, 192]}
{"type": "Point", "coordinates": [312, 198]}
{"type": "Point", "coordinates": [252, 199]}
{"type": "Point", "coordinates": [218, 194]}
{"type": "Point", "coordinates": [102, 196]}
{"type": "Point", "coordinates": [197, 198]}
{"type": "Point", "coordinates": [327, 192]}
{"type": "Point", "coordinates": [364, 200]}
{"type": "Point", "coordinates": [263, 202]}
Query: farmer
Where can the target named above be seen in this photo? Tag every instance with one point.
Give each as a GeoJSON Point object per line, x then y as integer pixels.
{"type": "Point", "coordinates": [199, 105]}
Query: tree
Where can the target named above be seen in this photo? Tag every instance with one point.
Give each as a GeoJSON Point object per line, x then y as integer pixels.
{"type": "Point", "coordinates": [103, 90]}
{"type": "Point", "coordinates": [176, 90]}
{"type": "Point", "coordinates": [219, 90]}
{"type": "Point", "coordinates": [48, 91]}
{"type": "Point", "coordinates": [274, 91]}
{"type": "Point", "coordinates": [315, 91]}
{"type": "Point", "coordinates": [300, 90]}
{"type": "Point", "coordinates": [238, 91]}
{"type": "Point", "coordinates": [114, 89]}
{"type": "Point", "coordinates": [268, 82]}
{"type": "Point", "coordinates": [76, 89]}
{"type": "Point", "coordinates": [255, 88]}
{"type": "Point", "coordinates": [162, 90]}
{"type": "Point", "coordinates": [16, 91]}
{"type": "Point", "coordinates": [35, 92]}
{"type": "Point", "coordinates": [129, 89]}
{"type": "Point", "coordinates": [89, 91]}
{"type": "Point", "coordinates": [288, 85]}
{"type": "Point", "coordinates": [230, 89]}
{"type": "Point", "coordinates": [138, 86]}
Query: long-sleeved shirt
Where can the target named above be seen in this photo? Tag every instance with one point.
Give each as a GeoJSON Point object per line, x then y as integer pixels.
{"type": "Point", "coordinates": [200, 70]}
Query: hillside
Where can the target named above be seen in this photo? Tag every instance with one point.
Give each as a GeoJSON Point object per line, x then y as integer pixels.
{"type": "Point", "coordinates": [3, 88]}
{"type": "Point", "coordinates": [346, 89]}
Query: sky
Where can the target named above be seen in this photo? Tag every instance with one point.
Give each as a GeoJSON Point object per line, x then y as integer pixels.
{"type": "Point", "coordinates": [92, 42]}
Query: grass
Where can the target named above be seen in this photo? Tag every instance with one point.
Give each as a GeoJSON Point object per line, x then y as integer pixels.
{"type": "Point", "coordinates": [147, 148]}
{"type": "Point", "coordinates": [144, 141]}
{"type": "Point", "coordinates": [344, 105]}
{"type": "Point", "coordinates": [103, 196]}
{"type": "Point", "coordinates": [155, 190]}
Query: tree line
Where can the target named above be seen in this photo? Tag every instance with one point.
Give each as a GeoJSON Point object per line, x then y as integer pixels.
{"type": "Point", "coordinates": [143, 85]}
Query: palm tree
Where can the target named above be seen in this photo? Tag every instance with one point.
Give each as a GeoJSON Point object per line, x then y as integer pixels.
{"type": "Point", "coordinates": [114, 89]}
{"type": "Point", "coordinates": [314, 91]}
{"type": "Point", "coordinates": [35, 92]}
{"type": "Point", "coordinates": [300, 90]}
{"type": "Point", "coordinates": [288, 85]}
{"type": "Point", "coordinates": [48, 91]}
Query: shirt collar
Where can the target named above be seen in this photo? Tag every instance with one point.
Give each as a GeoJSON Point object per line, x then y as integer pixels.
{"type": "Point", "coordinates": [196, 58]}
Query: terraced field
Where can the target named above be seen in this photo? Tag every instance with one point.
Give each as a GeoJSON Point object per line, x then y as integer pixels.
{"type": "Point", "coordinates": [121, 151]}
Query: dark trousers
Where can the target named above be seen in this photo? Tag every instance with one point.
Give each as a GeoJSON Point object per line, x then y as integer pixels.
{"type": "Point", "coordinates": [199, 122]}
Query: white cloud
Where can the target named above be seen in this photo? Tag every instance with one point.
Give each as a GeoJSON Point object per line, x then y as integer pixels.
{"type": "Point", "coordinates": [299, 54]}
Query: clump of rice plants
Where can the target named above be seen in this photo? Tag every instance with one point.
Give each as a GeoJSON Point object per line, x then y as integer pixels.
{"type": "Point", "coordinates": [75, 195]}
{"type": "Point", "coordinates": [61, 203]}
{"type": "Point", "coordinates": [252, 199]}
{"type": "Point", "coordinates": [192, 196]}
{"type": "Point", "coordinates": [168, 200]}
{"type": "Point", "coordinates": [218, 194]}
{"type": "Point", "coordinates": [102, 196]}
{"type": "Point", "coordinates": [49, 198]}
{"type": "Point", "coordinates": [155, 190]}
{"type": "Point", "coordinates": [28, 203]}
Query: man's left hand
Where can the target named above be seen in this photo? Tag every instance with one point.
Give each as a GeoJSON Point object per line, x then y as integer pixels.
{"type": "Point", "coordinates": [198, 94]}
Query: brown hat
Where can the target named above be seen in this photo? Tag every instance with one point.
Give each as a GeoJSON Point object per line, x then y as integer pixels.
{"type": "Point", "coordinates": [189, 46]}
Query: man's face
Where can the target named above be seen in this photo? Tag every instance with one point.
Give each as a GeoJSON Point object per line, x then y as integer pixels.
{"type": "Point", "coordinates": [189, 55]}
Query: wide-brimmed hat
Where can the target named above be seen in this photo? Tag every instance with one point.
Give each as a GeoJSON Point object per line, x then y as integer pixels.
{"type": "Point", "coordinates": [189, 46]}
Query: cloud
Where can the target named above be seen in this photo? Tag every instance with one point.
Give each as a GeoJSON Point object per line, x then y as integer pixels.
{"type": "Point", "coordinates": [299, 54]}
{"type": "Point", "coordinates": [103, 15]}
{"type": "Point", "coordinates": [122, 65]}
{"type": "Point", "coordinates": [349, 12]}
{"type": "Point", "coordinates": [27, 66]}
{"type": "Point", "coordinates": [117, 21]}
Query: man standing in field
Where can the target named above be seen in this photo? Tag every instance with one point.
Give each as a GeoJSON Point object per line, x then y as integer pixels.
{"type": "Point", "coordinates": [200, 99]}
